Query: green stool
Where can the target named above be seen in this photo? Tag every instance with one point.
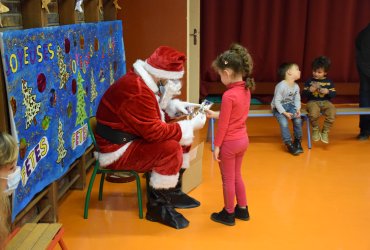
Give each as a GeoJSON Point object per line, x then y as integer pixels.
{"type": "Point", "coordinates": [99, 170]}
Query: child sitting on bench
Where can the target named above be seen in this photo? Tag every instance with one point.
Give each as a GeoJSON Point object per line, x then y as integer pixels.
{"type": "Point", "coordinates": [286, 105]}
{"type": "Point", "coordinates": [319, 90]}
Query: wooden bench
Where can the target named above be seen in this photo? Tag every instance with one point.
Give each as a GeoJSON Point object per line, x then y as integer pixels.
{"type": "Point", "coordinates": [340, 111]}
{"type": "Point", "coordinates": [268, 113]}
{"type": "Point", "coordinates": [37, 236]}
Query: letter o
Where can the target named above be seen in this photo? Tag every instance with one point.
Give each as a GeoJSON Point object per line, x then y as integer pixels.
{"type": "Point", "coordinates": [13, 57]}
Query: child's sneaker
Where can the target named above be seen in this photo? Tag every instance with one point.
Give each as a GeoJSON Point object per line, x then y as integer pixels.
{"type": "Point", "coordinates": [291, 148]}
{"type": "Point", "coordinates": [315, 134]}
{"type": "Point", "coordinates": [297, 144]}
{"type": "Point", "coordinates": [324, 136]}
{"type": "Point", "coordinates": [224, 217]}
{"type": "Point", "coordinates": [241, 213]}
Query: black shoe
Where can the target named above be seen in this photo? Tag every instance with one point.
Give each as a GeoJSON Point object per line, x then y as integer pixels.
{"type": "Point", "coordinates": [167, 215]}
{"type": "Point", "coordinates": [241, 213]}
{"type": "Point", "coordinates": [291, 148]}
{"type": "Point", "coordinates": [179, 199]}
{"type": "Point", "coordinates": [297, 144]}
{"type": "Point", "coordinates": [224, 217]}
{"type": "Point", "coordinates": [176, 197]}
{"type": "Point", "coordinates": [159, 209]}
{"type": "Point", "coordinates": [363, 136]}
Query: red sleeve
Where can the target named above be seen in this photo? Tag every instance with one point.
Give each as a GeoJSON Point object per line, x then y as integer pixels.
{"type": "Point", "coordinates": [224, 120]}
{"type": "Point", "coordinates": [141, 113]}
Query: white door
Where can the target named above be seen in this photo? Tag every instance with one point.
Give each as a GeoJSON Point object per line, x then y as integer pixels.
{"type": "Point", "coordinates": [193, 50]}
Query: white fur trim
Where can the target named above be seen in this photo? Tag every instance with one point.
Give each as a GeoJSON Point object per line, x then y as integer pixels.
{"type": "Point", "coordinates": [185, 160]}
{"type": "Point", "coordinates": [106, 159]}
{"type": "Point", "coordinates": [159, 181]}
{"type": "Point", "coordinates": [160, 73]}
{"type": "Point", "coordinates": [138, 66]}
{"type": "Point", "coordinates": [187, 132]}
{"type": "Point", "coordinates": [171, 108]}
{"type": "Point", "coordinates": [163, 117]}
{"type": "Point", "coordinates": [140, 70]}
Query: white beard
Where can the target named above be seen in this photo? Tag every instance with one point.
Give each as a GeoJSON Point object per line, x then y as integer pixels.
{"type": "Point", "coordinates": [171, 89]}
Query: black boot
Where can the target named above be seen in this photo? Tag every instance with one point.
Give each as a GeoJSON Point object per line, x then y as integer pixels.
{"type": "Point", "coordinates": [291, 148]}
{"type": "Point", "coordinates": [179, 199]}
{"type": "Point", "coordinates": [364, 135]}
{"type": "Point", "coordinates": [224, 217]}
{"type": "Point", "coordinates": [159, 209]}
{"type": "Point", "coordinates": [241, 213]}
{"type": "Point", "coordinates": [297, 144]}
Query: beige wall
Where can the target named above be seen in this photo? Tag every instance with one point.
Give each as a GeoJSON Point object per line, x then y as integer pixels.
{"type": "Point", "coordinates": [148, 24]}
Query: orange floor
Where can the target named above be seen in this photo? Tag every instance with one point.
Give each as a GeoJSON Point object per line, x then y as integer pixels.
{"type": "Point", "coordinates": [318, 200]}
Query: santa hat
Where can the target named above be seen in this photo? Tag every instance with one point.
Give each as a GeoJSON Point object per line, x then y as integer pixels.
{"type": "Point", "coordinates": [166, 62]}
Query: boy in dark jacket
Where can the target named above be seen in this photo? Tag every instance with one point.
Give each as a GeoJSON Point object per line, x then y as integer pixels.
{"type": "Point", "coordinates": [319, 90]}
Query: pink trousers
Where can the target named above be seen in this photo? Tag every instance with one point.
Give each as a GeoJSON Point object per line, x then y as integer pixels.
{"type": "Point", "coordinates": [231, 156]}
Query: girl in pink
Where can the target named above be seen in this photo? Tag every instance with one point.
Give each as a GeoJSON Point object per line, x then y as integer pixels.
{"type": "Point", "coordinates": [231, 139]}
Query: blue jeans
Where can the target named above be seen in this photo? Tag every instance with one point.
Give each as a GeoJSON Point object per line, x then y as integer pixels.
{"type": "Point", "coordinates": [284, 123]}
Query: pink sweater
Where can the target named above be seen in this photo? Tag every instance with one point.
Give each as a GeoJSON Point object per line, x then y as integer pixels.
{"type": "Point", "coordinates": [233, 114]}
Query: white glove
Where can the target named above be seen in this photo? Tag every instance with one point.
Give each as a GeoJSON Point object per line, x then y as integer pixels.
{"type": "Point", "coordinates": [198, 121]}
{"type": "Point", "coordinates": [185, 107]}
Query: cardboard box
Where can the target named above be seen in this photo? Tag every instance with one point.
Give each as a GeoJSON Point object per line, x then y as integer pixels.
{"type": "Point", "coordinates": [193, 175]}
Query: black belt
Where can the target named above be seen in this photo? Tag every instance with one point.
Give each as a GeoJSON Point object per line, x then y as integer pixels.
{"type": "Point", "coordinates": [113, 135]}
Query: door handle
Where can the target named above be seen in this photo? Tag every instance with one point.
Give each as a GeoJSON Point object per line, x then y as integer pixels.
{"type": "Point", "coordinates": [195, 36]}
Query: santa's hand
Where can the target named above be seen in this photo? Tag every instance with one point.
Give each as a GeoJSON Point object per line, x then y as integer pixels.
{"type": "Point", "coordinates": [185, 107]}
{"type": "Point", "coordinates": [198, 121]}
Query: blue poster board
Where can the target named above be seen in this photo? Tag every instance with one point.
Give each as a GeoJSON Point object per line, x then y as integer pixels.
{"type": "Point", "coordinates": [55, 78]}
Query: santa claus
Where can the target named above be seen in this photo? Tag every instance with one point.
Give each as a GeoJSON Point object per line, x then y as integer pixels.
{"type": "Point", "coordinates": [133, 134]}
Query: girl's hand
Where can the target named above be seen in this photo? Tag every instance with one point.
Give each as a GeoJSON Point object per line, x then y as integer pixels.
{"type": "Point", "coordinates": [216, 154]}
{"type": "Point", "coordinates": [298, 114]}
{"type": "Point", "coordinates": [211, 114]}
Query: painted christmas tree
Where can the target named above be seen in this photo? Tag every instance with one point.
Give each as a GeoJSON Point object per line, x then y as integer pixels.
{"type": "Point", "coordinates": [94, 93]}
{"type": "Point", "coordinates": [111, 74]}
{"type": "Point", "coordinates": [29, 101]}
{"type": "Point", "coordinates": [63, 74]}
{"type": "Point", "coordinates": [81, 112]}
{"type": "Point", "coordinates": [62, 152]}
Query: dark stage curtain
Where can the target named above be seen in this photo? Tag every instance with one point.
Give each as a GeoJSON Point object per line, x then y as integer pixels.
{"type": "Point", "coordinates": [276, 31]}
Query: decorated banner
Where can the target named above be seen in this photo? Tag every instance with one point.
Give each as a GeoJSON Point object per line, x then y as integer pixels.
{"type": "Point", "coordinates": [55, 78]}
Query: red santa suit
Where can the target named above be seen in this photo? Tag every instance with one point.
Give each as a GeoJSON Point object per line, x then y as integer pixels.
{"type": "Point", "coordinates": [132, 105]}
{"type": "Point", "coordinates": [132, 109]}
